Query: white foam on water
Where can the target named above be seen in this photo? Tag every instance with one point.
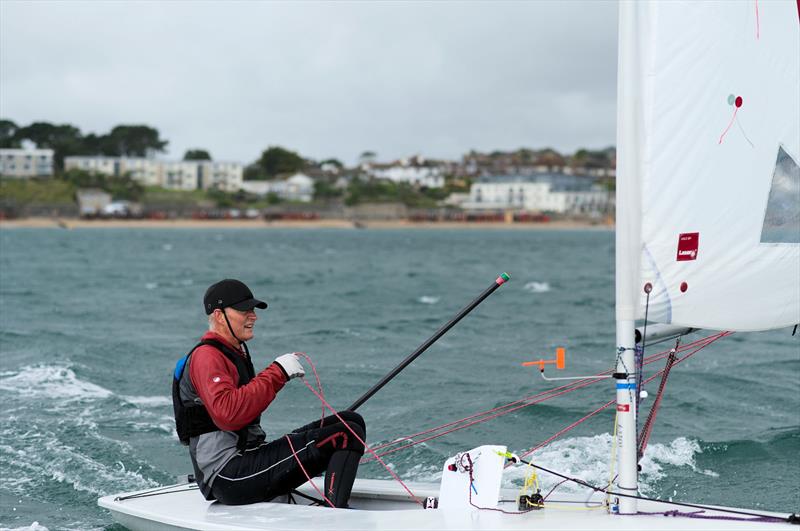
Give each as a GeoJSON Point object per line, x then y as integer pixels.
{"type": "Point", "coordinates": [588, 459]}
{"type": "Point", "coordinates": [163, 424]}
{"type": "Point", "coordinates": [51, 381]}
{"type": "Point", "coordinates": [35, 526]}
{"type": "Point", "coordinates": [51, 460]}
{"type": "Point", "coordinates": [680, 452]}
{"type": "Point", "coordinates": [148, 401]}
{"type": "Point", "coordinates": [537, 287]}
{"type": "Point", "coordinates": [424, 473]}
{"type": "Point", "coordinates": [428, 299]}
{"type": "Point", "coordinates": [151, 285]}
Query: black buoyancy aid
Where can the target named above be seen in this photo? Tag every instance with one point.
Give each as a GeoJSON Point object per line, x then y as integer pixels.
{"type": "Point", "coordinates": [193, 419]}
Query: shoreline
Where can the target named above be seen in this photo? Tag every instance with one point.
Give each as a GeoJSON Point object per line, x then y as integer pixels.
{"type": "Point", "coordinates": [66, 223]}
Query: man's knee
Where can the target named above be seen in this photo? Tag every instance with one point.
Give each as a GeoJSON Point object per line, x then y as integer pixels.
{"type": "Point", "coordinates": [360, 433]}
{"type": "Point", "coordinates": [353, 417]}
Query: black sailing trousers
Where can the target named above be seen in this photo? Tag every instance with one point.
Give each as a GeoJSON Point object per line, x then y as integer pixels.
{"type": "Point", "coordinates": [269, 470]}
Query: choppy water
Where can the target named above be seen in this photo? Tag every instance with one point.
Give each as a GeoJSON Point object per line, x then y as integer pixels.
{"type": "Point", "coordinates": [93, 320]}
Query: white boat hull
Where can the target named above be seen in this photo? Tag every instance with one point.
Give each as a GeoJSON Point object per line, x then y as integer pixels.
{"type": "Point", "coordinates": [379, 504]}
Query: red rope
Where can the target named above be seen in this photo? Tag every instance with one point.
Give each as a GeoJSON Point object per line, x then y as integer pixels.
{"type": "Point", "coordinates": [700, 346]}
{"type": "Point", "coordinates": [651, 417]}
{"type": "Point", "coordinates": [308, 477]}
{"type": "Point", "coordinates": [522, 403]}
{"type": "Point", "coordinates": [346, 425]}
{"type": "Point", "coordinates": [319, 384]}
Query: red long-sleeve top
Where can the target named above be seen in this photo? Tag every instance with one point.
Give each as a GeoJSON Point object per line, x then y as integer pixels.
{"type": "Point", "coordinates": [215, 378]}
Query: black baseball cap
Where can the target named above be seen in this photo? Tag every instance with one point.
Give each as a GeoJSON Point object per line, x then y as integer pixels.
{"type": "Point", "coordinates": [230, 293]}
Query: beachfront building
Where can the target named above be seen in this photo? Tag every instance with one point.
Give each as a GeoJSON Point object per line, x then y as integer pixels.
{"type": "Point", "coordinates": [180, 175]}
{"type": "Point", "coordinates": [227, 176]}
{"type": "Point", "coordinates": [143, 170]}
{"type": "Point", "coordinates": [539, 193]}
{"type": "Point", "coordinates": [176, 175]}
{"type": "Point", "coordinates": [92, 202]}
{"type": "Point", "coordinates": [299, 187]}
{"type": "Point", "coordinates": [25, 163]}
{"type": "Point", "coordinates": [100, 165]}
{"type": "Point", "coordinates": [414, 171]}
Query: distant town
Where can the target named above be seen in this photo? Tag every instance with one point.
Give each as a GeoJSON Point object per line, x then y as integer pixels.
{"type": "Point", "coordinates": [49, 170]}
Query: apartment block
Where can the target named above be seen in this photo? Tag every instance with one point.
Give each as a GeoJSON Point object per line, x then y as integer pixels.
{"type": "Point", "coordinates": [176, 175]}
{"type": "Point", "coordinates": [26, 163]}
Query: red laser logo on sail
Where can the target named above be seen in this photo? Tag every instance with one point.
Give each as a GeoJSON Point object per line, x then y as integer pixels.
{"type": "Point", "coordinates": [688, 245]}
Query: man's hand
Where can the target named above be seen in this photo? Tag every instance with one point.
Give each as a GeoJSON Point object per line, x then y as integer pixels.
{"type": "Point", "coordinates": [290, 365]}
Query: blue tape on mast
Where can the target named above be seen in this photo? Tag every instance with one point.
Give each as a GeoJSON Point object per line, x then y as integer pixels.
{"type": "Point", "coordinates": [631, 385]}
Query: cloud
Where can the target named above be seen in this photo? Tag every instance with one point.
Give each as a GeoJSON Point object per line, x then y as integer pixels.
{"type": "Point", "coordinates": [326, 79]}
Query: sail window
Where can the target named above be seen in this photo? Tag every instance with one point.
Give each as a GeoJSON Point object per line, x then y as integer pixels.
{"type": "Point", "coordinates": [782, 217]}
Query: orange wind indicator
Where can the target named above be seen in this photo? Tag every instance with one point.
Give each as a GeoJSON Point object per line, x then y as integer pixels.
{"type": "Point", "coordinates": [559, 361]}
{"type": "Point", "coordinates": [560, 364]}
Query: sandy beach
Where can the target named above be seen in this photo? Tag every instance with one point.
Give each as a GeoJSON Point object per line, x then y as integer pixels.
{"type": "Point", "coordinates": [64, 223]}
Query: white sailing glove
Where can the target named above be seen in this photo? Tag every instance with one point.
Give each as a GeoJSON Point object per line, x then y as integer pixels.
{"type": "Point", "coordinates": [290, 365]}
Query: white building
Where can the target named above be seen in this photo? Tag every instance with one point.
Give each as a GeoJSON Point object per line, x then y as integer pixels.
{"type": "Point", "coordinates": [24, 163]}
{"type": "Point", "coordinates": [261, 188]}
{"type": "Point", "coordinates": [176, 175]}
{"type": "Point", "coordinates": [180, 175]}
{"type": "Point", "coordinates": [298, 187]}
{"type": "Point", "coordinates": [91, 201]}
{"type": "Point", "coordinates": [536, 195]}
{"type": "Point", "coordinates": [413, 172]}
{"type": "Point", "coordinates": [143, 170]}
{"type": "Point", "coordinates": [101, 165]}
{"type": "Point", "coordinates": [226, 176]}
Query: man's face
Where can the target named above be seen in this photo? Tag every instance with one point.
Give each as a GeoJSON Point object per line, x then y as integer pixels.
{"type": "Point", "coordinates": [241, 322]}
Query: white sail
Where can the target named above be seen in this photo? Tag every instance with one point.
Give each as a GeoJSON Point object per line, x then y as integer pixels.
{"type": "Point", "coordinates": [708, 152]}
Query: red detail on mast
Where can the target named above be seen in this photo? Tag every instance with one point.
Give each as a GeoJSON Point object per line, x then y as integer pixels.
{"type": "Point", "coordinates": [688, 246]}
{"type": "Point", "coordinates": [623, 408]}
{"type": "Point", "coordinates": [684, 287]}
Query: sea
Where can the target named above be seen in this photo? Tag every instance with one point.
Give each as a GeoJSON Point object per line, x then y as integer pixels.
{"type": "Point", "coordinates": [93, 320]}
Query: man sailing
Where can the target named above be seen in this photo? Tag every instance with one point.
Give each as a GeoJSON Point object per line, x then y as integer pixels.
{"type": "Point", "coordinates": [218, 400]}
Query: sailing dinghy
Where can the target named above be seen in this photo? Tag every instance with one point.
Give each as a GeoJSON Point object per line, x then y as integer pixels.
{"type": "Point", "coordinates": [708, 236]}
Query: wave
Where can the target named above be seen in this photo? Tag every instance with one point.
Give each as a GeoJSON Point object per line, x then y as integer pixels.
{"type": "Point", "coordinates": [46, 459]}
{"type": "Point", "coordinates": [585, 458]}
{"type": "Point", "coordinates": [588, 459]}
{"type": "Point", "coordinates": [148, 401]}
{"type": "Point", "coordinates": [537, 287]}
{"type": "Point", "coordinates": [428, 299]}
{"type": "Point", "coordinates": [35, 526]}
{"type": "Point", "coordinates": [51, 381]}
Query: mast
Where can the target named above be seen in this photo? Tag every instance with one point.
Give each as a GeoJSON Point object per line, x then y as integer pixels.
{"type": "Point", "coordinates": [630, 156]}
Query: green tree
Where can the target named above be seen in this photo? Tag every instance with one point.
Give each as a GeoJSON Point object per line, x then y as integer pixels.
{"type": "Point", "coordinates": [8, 130]}
{"type": "Point", "coordinates": [324, 190]}
{"type": "Point", "coordinates": [252, 172]}
{"type": "Point", "coordinates": [197, 154]}
{"type": "Point", "coordinates": [135, 140]}
{"type": "Point", "coordinates": [123, 187]}
{"type": "Point", "coordinates": [221, 198]}
{"type": "Point", "coordinates": [276, 160]}
{"type": "Point", "coordinates": [64, 139]}
{"type": "Point", "coordinates": [97, 145]}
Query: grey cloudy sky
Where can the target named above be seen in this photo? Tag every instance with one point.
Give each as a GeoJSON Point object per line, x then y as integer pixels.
{"type": "Point", "coordinates": [325, 79]}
